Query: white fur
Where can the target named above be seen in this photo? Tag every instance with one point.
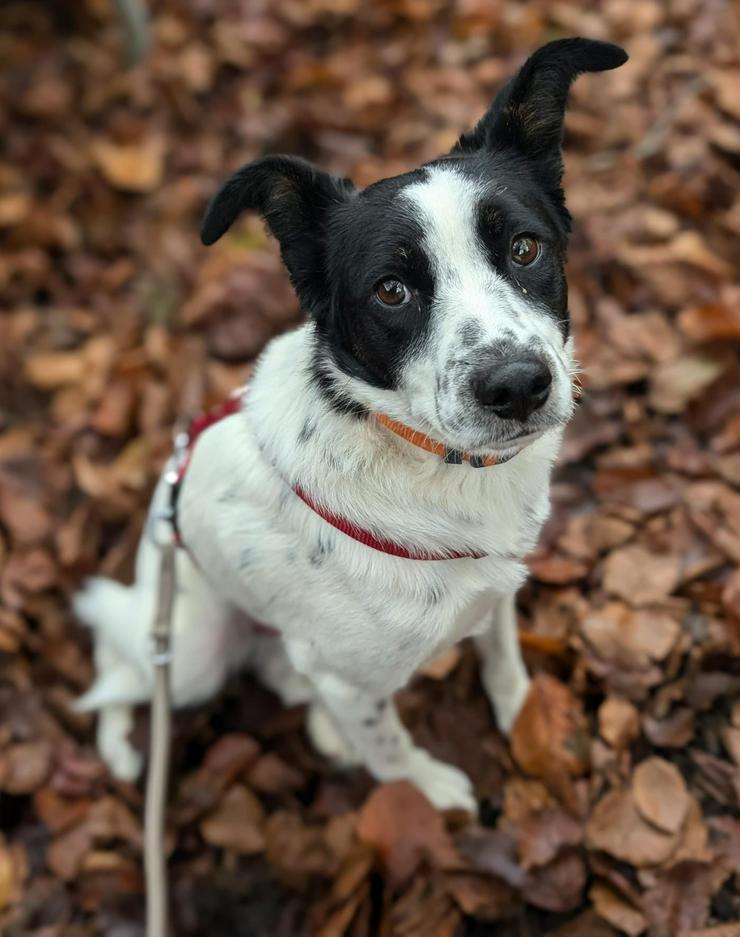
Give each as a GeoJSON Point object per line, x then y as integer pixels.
{"type": "Point", "coordinates": [354, 623]}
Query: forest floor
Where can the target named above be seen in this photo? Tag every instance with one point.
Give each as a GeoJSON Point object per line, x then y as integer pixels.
{"type": "Point", "coordinates": [614, 807]}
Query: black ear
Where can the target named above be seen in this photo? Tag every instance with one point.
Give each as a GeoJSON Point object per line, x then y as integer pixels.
{"type": "Point", "coordinates": [295, 199]}
{"type": "Point", "coordinates": [527, 115]}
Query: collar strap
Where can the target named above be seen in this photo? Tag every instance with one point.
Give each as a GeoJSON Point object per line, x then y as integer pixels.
{"type": "Point", "coordinates": [378, 543]}
{"type": "Point", "coordinates": [422, 441]}
{"type": "Point", "coordinates": [185, 444]}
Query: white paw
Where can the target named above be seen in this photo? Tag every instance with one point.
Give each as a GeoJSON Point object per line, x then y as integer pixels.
{"type": "Point", "coordinates": [124, 761]}
{"type": "Point", "coordinates": [507, 695]}
{"type": "Point", "coordinates": [327, 739]}
{"type": "Point", "coordinates": [442, 784]}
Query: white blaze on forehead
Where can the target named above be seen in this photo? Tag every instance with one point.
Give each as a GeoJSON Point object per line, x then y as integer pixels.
{"type": "Point", "coordinates": [467, 288]}
{"type": "Point", "coordinates": [446, 202]}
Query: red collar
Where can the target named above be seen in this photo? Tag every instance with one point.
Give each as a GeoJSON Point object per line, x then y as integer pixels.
{"type": "Point", "coordinates": [185, 446]}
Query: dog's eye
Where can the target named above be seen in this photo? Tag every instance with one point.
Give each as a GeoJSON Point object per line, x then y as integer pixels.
{"type": "Point", "coordinates": [392, 292]}
{"type": "Point", "coordinates": [525, 249]}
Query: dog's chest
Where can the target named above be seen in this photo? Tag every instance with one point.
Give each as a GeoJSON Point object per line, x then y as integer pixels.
{"type": "Point", "coordinates": [352, 608]}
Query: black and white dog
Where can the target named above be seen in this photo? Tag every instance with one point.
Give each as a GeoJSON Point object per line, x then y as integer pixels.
{"type": "Point", "coordinates": [373, 497]}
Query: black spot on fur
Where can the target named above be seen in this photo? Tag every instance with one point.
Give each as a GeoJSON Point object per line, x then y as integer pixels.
{"type": "Point", "coordinates": [470, 333]}
{"type": "Point", "coordinates": [307, 430]}
{"type": "Point", "coordinates": [324, 547]}
{"type": "Point", "coordinates": [246, 558]}
{"type": "Point", "coordinates": [435, 595]}
{"type": "Point", "coordinates": [370, 722]}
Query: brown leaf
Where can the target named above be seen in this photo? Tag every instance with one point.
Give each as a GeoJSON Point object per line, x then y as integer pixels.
{"type": "Point", "coordinates": [556, 569]}
{"type": "Point", "coordinates": [296, 851]}
{"type": "Point", "coordinates": [557, 886]}
{"type": "Point", "coordinates": [12, 873]}
{"type": "Point", "coordinates": [134, 167]}
{"type": "Point", "coordinates": [548, 739]}
{"type": "Point", "coordinates": [617, 827]}
{"type": "Point", "coordinates": [586, 924]}
{"type": "Point", "coordinates": [674, 384]}
{"type": "Point", "coordinates": [485, 898]}
{"type": "Point", "coordinates": [720, 930]}
{"type": "Point", "coordinates": [543, 836]}
{"type": "Point", "coordinates": [25, 766]}
{"type": "Point", "coordinates": [660, 794]}
{"type": "Point", "coordinates": [639, 576]}
{"type": "Point", "coordinates": [679, 900]}
{"type": "Point", "coordinates": [225, 760]}
{"type": "Point", "coordinates": [400, 823]}
{"type": "Point", "coordinates": [67, 852]}
{"type": "Point", "coordinates": [619, 722]}
{"type": "Point", "coordinates": [615, 909]}
{"type": "Point", "coordinates": [711, 322]}
{"type": "Point", "coordinates": [236, 823]}
{"type": "Point", "coordinates": [675, 731]}
{"type": "Point", "coordinates": [271, 775]}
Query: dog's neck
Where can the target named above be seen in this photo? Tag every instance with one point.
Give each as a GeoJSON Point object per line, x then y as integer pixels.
{"type": "Point", "coordinates": [378, 479]}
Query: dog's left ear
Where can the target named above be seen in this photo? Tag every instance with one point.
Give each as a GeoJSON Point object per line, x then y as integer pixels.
{"type": "Point", "coordinates": [527, 115]}
{"type": "Point", "coordinates": [295, 199]}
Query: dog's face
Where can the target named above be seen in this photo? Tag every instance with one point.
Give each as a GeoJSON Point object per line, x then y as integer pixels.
{"type": "Point", "coordinates": [439, 296]}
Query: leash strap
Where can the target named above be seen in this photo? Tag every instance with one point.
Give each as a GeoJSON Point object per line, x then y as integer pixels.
{"type": "Point", "coordinates": [155, 864]}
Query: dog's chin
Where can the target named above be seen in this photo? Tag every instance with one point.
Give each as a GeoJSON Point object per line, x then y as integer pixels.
{"type": "Point", "coordinates": [483, 441]}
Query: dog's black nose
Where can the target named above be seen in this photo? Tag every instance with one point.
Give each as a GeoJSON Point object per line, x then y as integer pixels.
{"type": "Point", "coordinates": [515, 388]}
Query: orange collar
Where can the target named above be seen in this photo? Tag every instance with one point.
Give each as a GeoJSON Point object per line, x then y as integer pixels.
{"type": "Point", "coordinates": [453, 456]}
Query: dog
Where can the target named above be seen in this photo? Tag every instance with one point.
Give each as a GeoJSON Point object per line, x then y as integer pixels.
{"type": "Point", "coordinates": [370, 498]}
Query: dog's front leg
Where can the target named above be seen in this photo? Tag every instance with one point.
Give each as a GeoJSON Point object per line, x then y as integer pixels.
{"type": "Point", "coordinates": [503, 673]}
{"type": "Point", "coordinates": [370, 723]}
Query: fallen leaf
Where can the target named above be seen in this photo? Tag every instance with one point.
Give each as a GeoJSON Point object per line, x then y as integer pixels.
{"type": "Point", "coordinates": [617, 827]}
{"type": "Point", "coordinates": [679, 900]}
{"type": "Point", "coordinates": [674, 384]}
{"type": "Point", "coordinates": [660, 794]}
{"type": "Point", "coordinates": [615, 909]}
{"type": "Point", "coordinates": [400, 823]}
{"type": "Point", "coordinates": [639, 576]}
{"type": "Point", "coordinates": [548, 738]}
{"type": "Point", "coordinates": [481, 896]}
{"type": "Point", "coordinates": [236, 823]}
{"type": "Point", "coordinates": [543, 836]}
{"type": "Point", "coordinates": [675, 731]}
{"type": "Point", "coordinates": [25, 766]}
{"type": "Point", "coordinates": [619, 722]}
{"type": "Point", "coordinates": [133, 167]}
{"type": "Point", "coordinates": [711, 322]}
{"type": "Point", "coordinates": [557, 886]}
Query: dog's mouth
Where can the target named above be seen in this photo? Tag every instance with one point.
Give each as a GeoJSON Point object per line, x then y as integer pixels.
{"type": "Point", "coordinates": [516, 443]}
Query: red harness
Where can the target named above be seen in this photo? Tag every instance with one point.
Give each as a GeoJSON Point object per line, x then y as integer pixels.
{"type": "Point", "coordinates": [233, 405]}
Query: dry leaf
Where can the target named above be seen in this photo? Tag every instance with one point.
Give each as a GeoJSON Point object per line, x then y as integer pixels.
{"type": "Point", "coordinates": [617, 827]}
{"type": "Point", "coordinates": [619, 722]}
{"type": "Point", "coordinates": [639, 576]}
{"type": "Point", "coordinates": [236, 823]}
{"type": "Point", "coordinates": [548, 738]}
{"type": "Point", "coordinates": [615, 909]}
{"type": "Point", "coordinates": [660, 794]}
{"type": "Point", "coordinates": [400, 823]}
{"type": "Point", "coordinates": [135, 167]}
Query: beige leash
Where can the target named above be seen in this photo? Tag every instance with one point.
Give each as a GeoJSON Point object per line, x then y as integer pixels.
{"type": "Point", "coordinates": [155, 862]}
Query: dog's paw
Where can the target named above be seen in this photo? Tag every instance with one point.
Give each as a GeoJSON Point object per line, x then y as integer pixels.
{"type": "Point", "coordinates": [326, 738]}
{"type": "Point", "coordinates": [507, 697]}
{"type": "Point", "coordinates": [445, 786]}
{"type": "Point", "coordinates": [124, 762]}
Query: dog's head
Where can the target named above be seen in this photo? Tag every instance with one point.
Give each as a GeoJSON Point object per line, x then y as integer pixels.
{"type": "Point", "coordinates": [439, 296]}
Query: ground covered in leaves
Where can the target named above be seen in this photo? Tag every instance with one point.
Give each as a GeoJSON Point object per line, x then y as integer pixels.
{"type": "Point", "coordinates": [614, 808]}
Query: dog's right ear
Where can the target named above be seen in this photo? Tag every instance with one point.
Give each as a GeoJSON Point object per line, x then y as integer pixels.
{"type": "Point", "coordinates": [295, 199]}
